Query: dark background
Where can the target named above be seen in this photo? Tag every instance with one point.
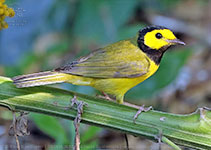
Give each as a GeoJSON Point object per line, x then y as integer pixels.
{"type": "Point", "coordinates": [45, 34]}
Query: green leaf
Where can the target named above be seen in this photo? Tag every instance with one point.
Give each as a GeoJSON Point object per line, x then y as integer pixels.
{"type": "Point", "coordinates": [192, 130]}
{"type": "Point", "coordinates": [101, 20]}
{"type": "Point", "coordinates": [89, 138]}
{"type": "Point", "coordinates": [129, 31]}
{"type": "Point", "coordinates": [51, 126]}
{"type": "Point", "coordinates": [90, 133]}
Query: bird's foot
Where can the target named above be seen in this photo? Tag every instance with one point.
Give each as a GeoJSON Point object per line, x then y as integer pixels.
{"type": "Point", "coordinates": [141, 109]}
{"type": "Point", "coordinates": [105, 96]}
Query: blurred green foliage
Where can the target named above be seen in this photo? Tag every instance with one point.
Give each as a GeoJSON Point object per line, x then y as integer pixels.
{"type": "Point", "coordinates": [52, 127]}
{"type": "Point", "coordinates": [105, 18]}
{"type": "Point", "coordinates": [87, 24]}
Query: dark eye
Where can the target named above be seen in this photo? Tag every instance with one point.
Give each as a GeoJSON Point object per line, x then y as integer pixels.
{"type": "Point", "coordinates": [158, 35]}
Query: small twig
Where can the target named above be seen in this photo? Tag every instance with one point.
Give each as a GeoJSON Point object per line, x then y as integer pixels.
{"type": "Point", "coordinates": [160, 138]}
{"type": "Point", "coordinates": [15, 131]}
{"type": "Point", "coordinates": [19, 127]}
{"type": "Point", "coordinates": [127, 143]}
{"type": "Point", "coordinates": [77, 120]}
{"type": "Point", "coordinates": [77, 135]}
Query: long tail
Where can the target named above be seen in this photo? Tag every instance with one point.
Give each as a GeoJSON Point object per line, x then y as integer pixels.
{"type": "Point", "coordinates": [37, 79]}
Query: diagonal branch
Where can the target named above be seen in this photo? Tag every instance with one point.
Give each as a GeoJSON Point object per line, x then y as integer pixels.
{"type": "Point", "coordinates": [192, 130]}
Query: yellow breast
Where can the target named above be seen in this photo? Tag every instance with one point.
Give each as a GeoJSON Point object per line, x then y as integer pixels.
{"type": "Point", "coordinates": [119, 86]}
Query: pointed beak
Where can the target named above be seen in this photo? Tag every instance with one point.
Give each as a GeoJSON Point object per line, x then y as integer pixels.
{"type": "Point", "coordinates": [175, 42]}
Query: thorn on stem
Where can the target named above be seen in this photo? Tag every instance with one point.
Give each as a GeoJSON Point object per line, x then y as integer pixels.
{"type": "Point", "coordinates": [141, 109]}
{"type": "Point", "coordinates": [202, 112]}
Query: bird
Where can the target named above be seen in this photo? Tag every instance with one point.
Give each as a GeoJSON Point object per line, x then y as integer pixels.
{"type": "Point", "coordinates": [114, 69]}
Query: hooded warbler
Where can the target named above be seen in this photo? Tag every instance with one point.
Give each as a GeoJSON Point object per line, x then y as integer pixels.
{"type": "Point", "coordinates": [113, 69]}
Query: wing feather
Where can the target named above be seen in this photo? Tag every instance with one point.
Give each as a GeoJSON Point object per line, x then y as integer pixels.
{"type": "Point", "coordinates": [116, 61]}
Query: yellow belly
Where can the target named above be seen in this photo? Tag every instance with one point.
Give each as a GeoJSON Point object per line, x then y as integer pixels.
{"type": "Point", "coordinates": [114, 86]}
{"type": "Point", "coordinates": [119, 86]}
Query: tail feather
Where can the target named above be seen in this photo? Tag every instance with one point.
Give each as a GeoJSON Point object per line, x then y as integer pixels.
{"type": "Point", "coordinates": [37, 79]}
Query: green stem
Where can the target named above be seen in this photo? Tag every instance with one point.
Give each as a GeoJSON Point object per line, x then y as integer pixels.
{"type": "Point", "coordinates": [192, 130]}
{"type": "Point", "coordinates": [170, 143]}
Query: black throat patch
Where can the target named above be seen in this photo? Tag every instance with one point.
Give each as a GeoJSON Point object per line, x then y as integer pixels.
{"type": "Point", "coordinates": [153, 54]}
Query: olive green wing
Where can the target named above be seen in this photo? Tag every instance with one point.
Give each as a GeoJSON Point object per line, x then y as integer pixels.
{"type": "Point", "coordinates": [117, 61]}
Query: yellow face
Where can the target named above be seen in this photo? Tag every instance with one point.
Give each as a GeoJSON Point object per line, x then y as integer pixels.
{"type": "Point", "coordinates": [159, 38]}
